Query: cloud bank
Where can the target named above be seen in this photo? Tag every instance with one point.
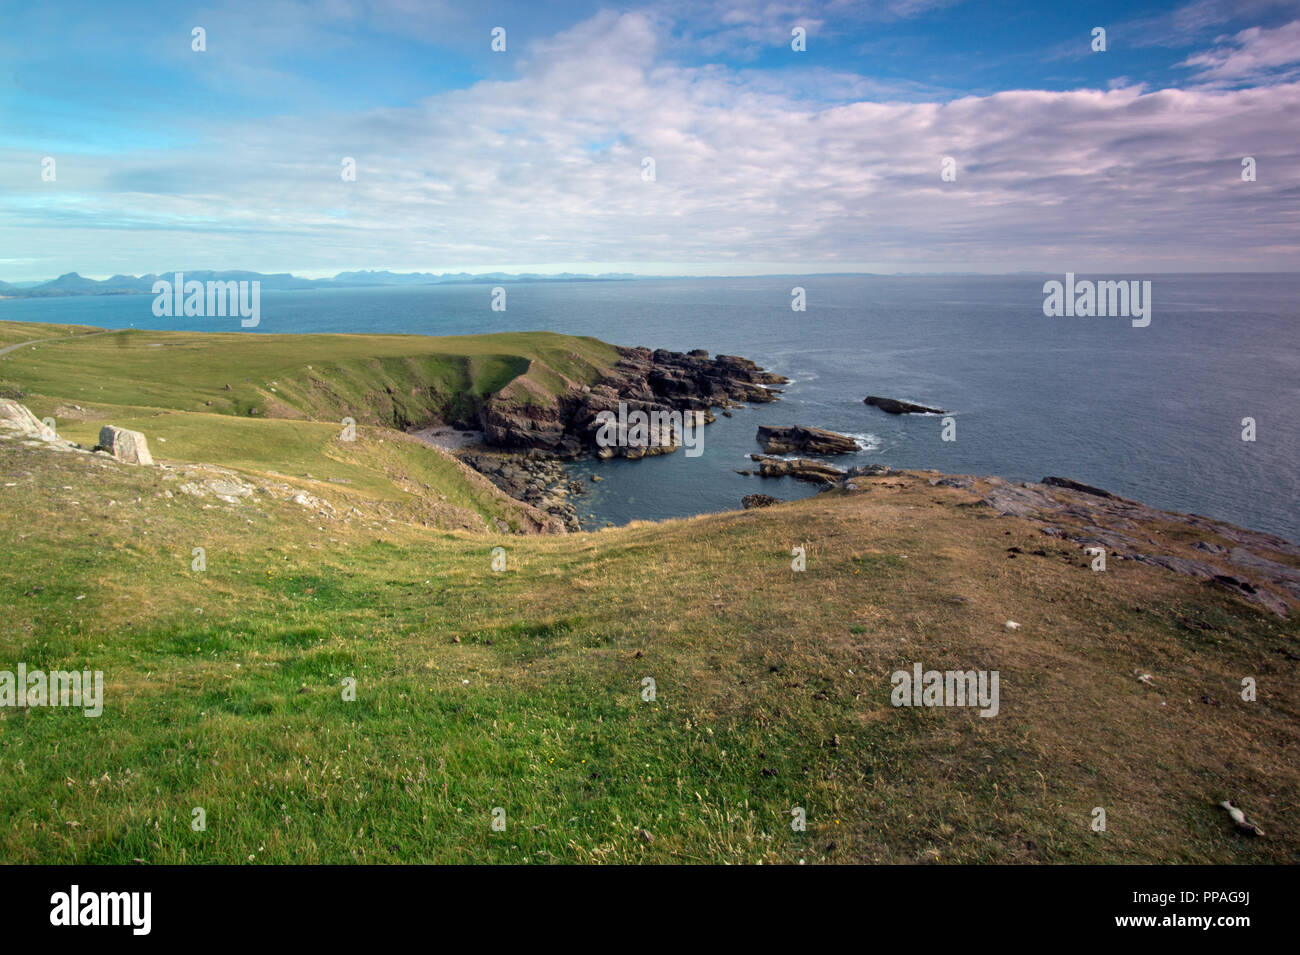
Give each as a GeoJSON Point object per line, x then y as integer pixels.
{"type": "Point", "coordinates": [545, 167]}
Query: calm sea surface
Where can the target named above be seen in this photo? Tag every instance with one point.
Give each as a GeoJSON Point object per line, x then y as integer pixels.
{"type": "Point", "coordinates": [1151, 413]}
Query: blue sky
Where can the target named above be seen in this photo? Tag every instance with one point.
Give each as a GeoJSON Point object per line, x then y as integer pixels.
{"type": "Point", "coordinates": [766, 159]}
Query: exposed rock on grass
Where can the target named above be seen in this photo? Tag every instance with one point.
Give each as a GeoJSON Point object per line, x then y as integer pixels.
{"type": "Point", "coordinates": [130, 447]}
{"type": "Point", "coordinates": [1090, 517]}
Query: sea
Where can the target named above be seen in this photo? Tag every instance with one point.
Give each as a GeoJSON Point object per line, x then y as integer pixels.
{"type": "Point", "coordinates": [1156, 413]}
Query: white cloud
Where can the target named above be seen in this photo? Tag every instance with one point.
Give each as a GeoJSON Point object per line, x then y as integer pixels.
{"type": "Point", "coordinates": [546, 167]}
{"type": "Point", "coordinates": [1252, 54]}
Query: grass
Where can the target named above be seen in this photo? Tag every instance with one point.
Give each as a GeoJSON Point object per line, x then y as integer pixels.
{"type": "Point", "coordinates": [12, 333]}
{"type": "Point", "coordinates": [522, 689]}
{"type": "Point", "coordinates": [288, 395]}
{"type": "Point", "coordinates": [376, 379]}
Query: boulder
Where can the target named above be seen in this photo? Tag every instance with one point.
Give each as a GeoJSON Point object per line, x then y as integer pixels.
{"type": "Point", "coordinates": [895, 406]}
{"type": "Point", "coordinates": [128, 446]}
{"type": "Point", "coordinates": [777, 440]}
{"type": "Point", "coordinates": [758, 500]}
{"type": "Point", "coordinates": [802, 469]}
{"type": "Point", "coordinates": [16, 417]}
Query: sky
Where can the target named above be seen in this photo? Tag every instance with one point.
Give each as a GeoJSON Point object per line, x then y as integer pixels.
{"type": "Point", "coordinates": [123, 149]}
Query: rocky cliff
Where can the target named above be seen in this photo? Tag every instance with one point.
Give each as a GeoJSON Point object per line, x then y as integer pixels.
{"type": "Point", "coordinates": [523, 417]}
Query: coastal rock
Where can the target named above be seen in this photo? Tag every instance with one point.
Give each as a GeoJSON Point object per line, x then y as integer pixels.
{"type": "Point", "coordinates": [658, 382]}
{"type": "Point", "coordinates": [1280, 575]}
{"type": "Point", "coordinates": [508, 423]}
{"type": "Point", "coordinates": [954, 480]}
{"type": "Point", "coordinates": [801, 469]}
{"type": "Point", "coordinates": [796, 439]}
{"type": "Point", "coordinates": [873, 470]}
{"type": "Point", "coordinates": [849, 481]}
{"type": "Point", "coordinates": [538, 481]}
{"type": "Point", "coordinates": [758, 500]}
{"type": "Point", "coordinates": [658, 433]}
{"type": "Point", "coordinates": [1090, 517]}
{"type": "Point", "coordinates": [127, 446]}
{"type": "Point", "coordinates": [895, 406]}
{"type": "Point", "coordinates": [1076, 486]}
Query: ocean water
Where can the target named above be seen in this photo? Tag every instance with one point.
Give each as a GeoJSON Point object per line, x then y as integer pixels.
{"type": "Point", "coordinates": [1150, 413]}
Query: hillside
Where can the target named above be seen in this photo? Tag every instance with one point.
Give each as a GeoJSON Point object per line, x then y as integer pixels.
{"type": "Point", "coordinates": [521, 688]}
{"type": "Point", "coordinates": [273, 406]}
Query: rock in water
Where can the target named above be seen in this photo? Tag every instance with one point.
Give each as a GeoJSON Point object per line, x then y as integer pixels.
{"type": "Point", "coordinates": [777, 440]}
{"type": "Point", "coordinates": [802, 469]}
{"type": "Point", "coordinates": [128, 446]}
{"type": "Point", "coordinates": [894, 406]}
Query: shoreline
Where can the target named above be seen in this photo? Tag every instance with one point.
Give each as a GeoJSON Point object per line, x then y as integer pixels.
{"type": "Point", "coordinates": [566, 422]}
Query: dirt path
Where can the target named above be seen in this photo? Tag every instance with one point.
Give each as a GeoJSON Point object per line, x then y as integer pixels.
{"type": "Point", "coordinates": [60, 338]}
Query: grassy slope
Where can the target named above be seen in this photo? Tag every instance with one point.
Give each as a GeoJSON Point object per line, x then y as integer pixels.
{"type": "Point", "coordinates": [371, 378]}
{"type": "Point", "coordinates": [773, 687]}
{"type": "Point", "coordinates": [172, 386]}
{"type": "Point", "coordinates": [11, 333]}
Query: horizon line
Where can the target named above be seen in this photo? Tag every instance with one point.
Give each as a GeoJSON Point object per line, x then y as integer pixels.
{"type": "Point", "coordinates": [614, 275]}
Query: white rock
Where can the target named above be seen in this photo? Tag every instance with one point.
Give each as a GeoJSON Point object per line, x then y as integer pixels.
{"type": "Point", "coordinates": [16, 417]}
{"type": "Point", "coordinates": [128, 446]}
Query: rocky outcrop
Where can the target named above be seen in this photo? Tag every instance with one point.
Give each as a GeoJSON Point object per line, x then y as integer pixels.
{"type": "Point", "coordinates": [750, 501]}
{"type": "Point", "coordinates": [800, 440]}
{"type": "Point", "coordinates": [127, 446]}
{"type": "Point", "coordinates": [16, 417]}
{"type": "Point", "coordinates": [656, 382]}
{"type": "Point", "coordinates": [801, 469]}
{"type": "Point", "coordinates": [537, 481]}
{"type": "Point", "coordinates": [1259, 567]}
{"type": "Point", "coordinates": [1129, 530]}
{"type": "Point", "coordinates": [895, 406]}
{"type": "Point", "coordinates": [639, 429]}
{"type": "Point", "coordinates": [851, 481]}
{"type": "Point", "coordinates": [1076, 486]}
{"type": "Point", "coordinates": [651, 396]}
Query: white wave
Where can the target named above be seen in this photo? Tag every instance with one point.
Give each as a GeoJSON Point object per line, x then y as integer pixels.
{"type": "Point", "coordinates": [865, 440]}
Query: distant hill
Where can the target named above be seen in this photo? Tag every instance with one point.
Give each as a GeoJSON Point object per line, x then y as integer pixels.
{"type": "Point", "coordinates": [73, 284]}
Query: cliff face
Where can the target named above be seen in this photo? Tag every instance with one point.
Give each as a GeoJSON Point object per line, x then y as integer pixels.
{"type": "Point", "coordinates": [524, 418]}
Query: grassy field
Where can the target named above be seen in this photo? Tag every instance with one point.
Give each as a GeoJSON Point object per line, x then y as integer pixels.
{"type": "Point", "coordinates": [13, 333]}
{"type": "Point", "coordinates": [272, 405]}
{"type": "Point", "coordinates": [521, 689]}
{"type": "Point", "coordinates": [372, 378]}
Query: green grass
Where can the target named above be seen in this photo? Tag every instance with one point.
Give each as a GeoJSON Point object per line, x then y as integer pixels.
{"type": "Point", "coordinates": [11, 333]}
{"type": "Point", "coordinates": [772, 685]}
{"type": "Point", "coordinates": [521, 689]}
{"type": "Point", "coordinates": [376, 379]}
{"type": "Point", "coordinates": [288, 396]}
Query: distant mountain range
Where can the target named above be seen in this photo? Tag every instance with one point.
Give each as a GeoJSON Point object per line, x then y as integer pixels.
{"type": "Point", "coordinates": [74, 284]}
